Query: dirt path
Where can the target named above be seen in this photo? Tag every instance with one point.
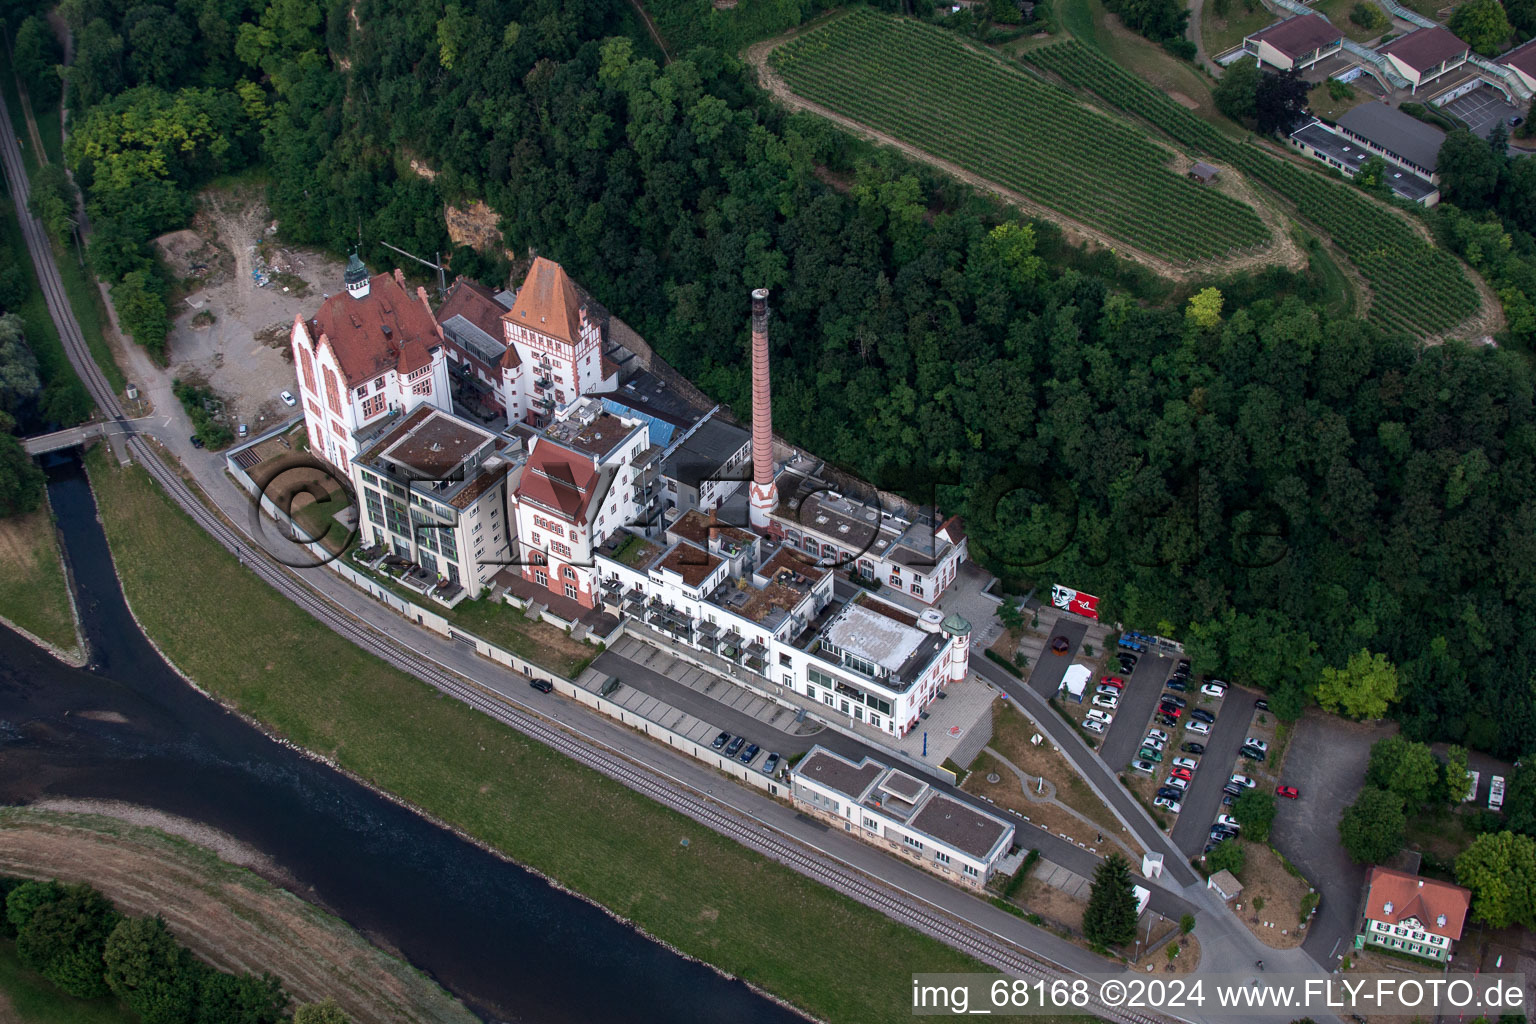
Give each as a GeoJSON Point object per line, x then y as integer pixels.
{"type": "Point", "coordinates": [650, 26]}
{"type": "Point", "coordinates": [150, 863]}
{"type": "Point", "coordinates": [1192, 33]}
{"type": "Point", "coordinates": [1076, 232]}
{"type": "Point", "coordinates": [239, 216]}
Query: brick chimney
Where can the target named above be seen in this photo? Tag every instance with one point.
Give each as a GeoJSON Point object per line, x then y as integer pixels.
{"type": "Point", "coordinates": [764, 495]}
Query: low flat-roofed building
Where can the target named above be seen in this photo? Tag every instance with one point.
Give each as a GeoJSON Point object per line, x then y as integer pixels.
{"type": "Point", "coordinates": [1295, 43]}
{"type": "Point", "coordinates": [1347, 155]}
{"type": "Point", "coordinates": [1395, 137]}
{"type": "Point", "coordinates": [1423, 55]}
{"type": "Point", "coordinates": [433, 491]}
{"type": "Point", "coordinates": [706, 464]}
{"type": "Point", "coordinates": [889, 807]}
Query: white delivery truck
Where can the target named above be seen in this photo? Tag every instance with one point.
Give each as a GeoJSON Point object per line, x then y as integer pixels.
{"type": "Point", "coordinates": [1496, 792]}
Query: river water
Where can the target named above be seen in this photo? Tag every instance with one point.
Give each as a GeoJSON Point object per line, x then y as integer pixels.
{"type": "Point", "coordinates": [511, 946]}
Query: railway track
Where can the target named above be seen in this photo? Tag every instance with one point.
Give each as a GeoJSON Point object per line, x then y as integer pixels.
{"type": "Point", "coordinates": [751, 832]}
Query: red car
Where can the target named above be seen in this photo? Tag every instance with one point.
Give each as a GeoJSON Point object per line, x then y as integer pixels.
{"type": "Point", "coordinates": [1289, 792]}
{"type": "Point", "coordinates": [1114, 681]}
{"type": "Point", "coordinates": [1171, 711]}
{"type": "Point", "coordinates": [1182, 773]}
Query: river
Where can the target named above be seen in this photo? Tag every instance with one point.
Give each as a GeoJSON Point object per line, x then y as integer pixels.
{"type": "Point", "coordinates": [499, 937]}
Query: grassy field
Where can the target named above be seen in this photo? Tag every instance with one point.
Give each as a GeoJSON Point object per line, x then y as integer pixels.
{"type": "Point", "coordinates": [1221, 34]}
{"type": "Point", "coordinates": [28, 998]}
{"type": "Point", "coordinates": [33, 593]}
{"type": "Point", "coordinates": [711, 899]}
{"type": "Point", "coordinates": [925, 86]}
{"type": "Point", "coordinates": [79, 283]}
{"type": "Point", "coordinates": [1337, 11]}
{"type": "Point", "coordinates": [1322, 103]}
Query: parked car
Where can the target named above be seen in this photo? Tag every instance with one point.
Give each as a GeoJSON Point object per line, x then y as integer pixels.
{"type": "Point", "coordinates": [1261, 704]}
{"type": "Point", "coordinates": [1145, 767]}
{"type": "Point", "coordinates": [1152, 744]}
{"type": "Point", "coordinates": [1227, 800]}
{"type": "Point", "coordinates": [722, 740]}
{"type": "Point", "coordinates": [1096, 715]}
{"type": "Point", "coordinates": [1214, 690]}
{"type": "Point", "coordinates": [1199, 728]}
{"type": "Point", "coordinates": [734, 747]}
{"type": "Point", "coordinates": [748, 754]}
{"type": "Point", "coordinates": [1114, 681]}
{"type": "Point", "coordinates": [1127, 662]}
{"type": "Point", "coordinates": [1221, 835]}
{"type": "Point", "coordinates": [1176, 701]}
{"type": "Point", "coordinates": [770, 764]}
{"type": "Point", "coordinates": [1242, 780]}
{"type": "Point", "coordinates": [197, 442]}
{"type": "Point", "coordinates": [1202, 715]}
{"type": "Point", "coordinates": [1170, 711]}
{"type": "Point", "coordinates": [1093, 725]}
{"type": "Point", "coordinates": [542, 685]}
{"type": "Point", "coordinates": [288, 399]}
{"type": "Point", "coordinates": [1159, 735]}
{"type": "Point", "coordinates": [1193, 748]}
{"type": "Point", "coordinates": [1253, 754]}
{"type": "Point", "coordinates": [1173, 806]}
{"type": "Point", "coordinates": [1289, 792]}
{"type": "Point", "coordinates": [1260, 744]}
{"type": "Point", "coordinates": [1516, 121]}
{"type": "Point", "coordinates": [1176, 782]}
{"type": "Point", "coordinates": [1101, 701]}
{"type": "Point", "coordinates": [1183, 665]}
{"type": "Point", "coordinates": [1232, 789]}
{"type": "Point", "coordinates": [1169, 793]}
{"type": "Point", "coordinates": [1211, 846]}
{"type": "Point", "coordinates": [1185, 762]}
{"type": "Point", "coordinates": [1148, 754]}
{"type": "Point", "coordinates": [1060, 645]}
{"type": "Point", "coordinates": [1109, 690]}
{"type": "Point", "coordinates": [1218, 682]}
{"type": "Point", "coordinates": [244, 430]}
{"type": "Point", "coordinates": [1176, 685]}
{"type": "Point", "coordinates": [1182, 773]}
{"type": "Point", "coordinates": [1229, 821]}
{"type": "Point", "coordinates": [1130, 644]}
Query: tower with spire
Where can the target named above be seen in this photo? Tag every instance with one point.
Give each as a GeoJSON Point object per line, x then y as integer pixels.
{"type": "Point", "coordinates": [356, 277]}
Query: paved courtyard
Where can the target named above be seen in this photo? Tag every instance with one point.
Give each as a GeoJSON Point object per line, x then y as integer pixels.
{"type": "Point", "coordinates": [1481, 109]}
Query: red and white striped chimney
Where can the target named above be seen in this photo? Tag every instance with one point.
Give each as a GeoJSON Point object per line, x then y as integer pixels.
{"type": "Point", "coordinates": [764, 494]}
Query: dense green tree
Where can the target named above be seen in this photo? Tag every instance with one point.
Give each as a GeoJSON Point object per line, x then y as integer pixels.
{"type": "Point", "coordinates": [1229, 856]}
{"type": "Point", "coordinates": [141, 310]}
{"type": "Point", "coordinates": [63, 939]}
{"type": "Point", "coordinates": [1482, 25]}
{"type": "Point", "coordinates": [1500, 869]}
{"type": "Point", "coordinates": [37, 56]}
{"type": "Point", "coordinates": [1110, 917]}
{"type": "Point", "coordinates": [150, 971]}
{"type": "Point", "coordinates": [240, 999]}
{"type": "Point", "coordinates": [1255, 812]}
{"type": "Point", "coordinates": [1158, 20]}
{"type": "Point", "coordinates": [1372, 827]}
{"type": "Point", "coordinates": [21, 491]}
{"type": "Point", "coordinates": [53, 200]}
{"type": "Point", "coordinates": [97, 70]}
{"type": "Point", "coordinates": [1453, 776]}
{"type": "Point", "coordinates": [15, 284]}
{"type": "Point", "coordinates": [19, 383]}
{"type": "Point", "coordinates": [1364, 688]}
{"type": "Point", "coordinates": [1279, 102]}
{"type": "Point", "coordinates": [1404, 767]}
{"type": "Point", "coordinates": [159, 45]}
{"type": "Point", "coordinates": [1469, 170]}
{"type": "Point", "coordinates": [326, 1012]}
{"type": "Point", "coordinates": [1237, 93]}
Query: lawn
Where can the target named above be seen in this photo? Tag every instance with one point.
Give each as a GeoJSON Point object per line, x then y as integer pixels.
{"type": "Point", "coordinates": [711, 899]}
{"type": "Point", "coordinates": [1221, 34]}
{"type": "Point", "coordinates": [1011, 732]}
{"type": "Point", "coordinates": [79, 284]}
{"type": "Point", "coordinates": [1337, 11]}
{"type": "Point", "coordinates": [28, 998]}
{"type": "Point", "coordinates": [1321, 102]}
{"type": "Point", "coordinates": [33, 593]}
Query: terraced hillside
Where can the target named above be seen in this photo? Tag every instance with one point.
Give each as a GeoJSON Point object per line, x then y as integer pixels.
{"type": "Point", "coordinates": [1415, 286]}
{"type": "Point", "coordinates": [926, 87]}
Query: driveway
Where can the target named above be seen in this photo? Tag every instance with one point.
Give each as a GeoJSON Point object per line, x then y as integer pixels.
{"type": "Point", "coordinates": [1137, 702]}
{"type": "Point", "coordinates": [1326, 762]}
{"type": "Point", "coordinates": [1050, 667]}
{"type": "Point", "coordinates": [1202, 803]}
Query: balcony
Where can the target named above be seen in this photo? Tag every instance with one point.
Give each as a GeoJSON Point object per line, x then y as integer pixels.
{"type": "Point", "coordinates": [545, 402]}
{"type": "Point", "coordinates": [542, 383]}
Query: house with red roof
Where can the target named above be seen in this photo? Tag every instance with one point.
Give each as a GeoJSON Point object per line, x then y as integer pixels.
{"type": "Point", "coordinates": [1407, 914]}
{"type": "Point", "coordinates": [554, 348]}
{"type": "Point", "coordinates": [1522, 61]}
{"type": "Point", "coordinates": [1423, 55]}
{"type": "Point", "coordinates": [371, 352]}
{"type": "Point", "coordinates": [1295, 43]}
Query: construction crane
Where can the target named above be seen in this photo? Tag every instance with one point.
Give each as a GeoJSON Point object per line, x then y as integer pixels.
{"type": "Point", "coordinates": [442, 273]}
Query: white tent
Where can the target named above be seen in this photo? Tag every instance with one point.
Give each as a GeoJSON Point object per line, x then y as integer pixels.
{"type": "Point", "coordinates": [1075, 681]}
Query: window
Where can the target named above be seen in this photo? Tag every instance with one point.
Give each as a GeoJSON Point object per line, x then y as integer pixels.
{"type": "Point", "coordinates": [362, 392]}
{"type": "Point", "coordinates": [372, 406]}
{"type": "Point", "coordinates": [309, 371]}
{"type": "Point", "coordinates": [872, 824]}
{"type": "Point", "coordinates": [874, 720]}
{"type": "Point", "coordinates": [941, 857]}
{"type": "Point", "coordinates": [422, 387]}
{"type": "Point", "coordinates": [563, 550]}
{"type": "Point", "coordinates": [570, 591]}
{"type": "Point", "coordinates": [569, 573]}
{"type": "Point", "coordinates": [973, 872]}
{"type": "Point", "coordinates": [915, 844]}
{"type": "Point", "coordinates": [917, 588]}
{"type": "Point", "coordinates": [332, 394]}
{"type": "Point", "coordinates": [895, 579]}
{"type": "Point", "coordinates": [536, 542]}
{"type": "Point", "coordinates": [541, 577]}
{"type": "Point", "coordinates": [378, 385]}
{"type": "Point", "coordinates": [810, 691]}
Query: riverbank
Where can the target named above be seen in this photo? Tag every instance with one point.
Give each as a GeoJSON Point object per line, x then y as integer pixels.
{"type": "Point", "coordinates": [680, 882]}
{"type": "Point", "coordinates": [34, 591]}
{"type": "Point", "coordinates": [228, 915]}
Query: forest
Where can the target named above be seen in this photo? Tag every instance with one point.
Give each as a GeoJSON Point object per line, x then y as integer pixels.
{"type": "Point", "coordinates": [1282, 489]}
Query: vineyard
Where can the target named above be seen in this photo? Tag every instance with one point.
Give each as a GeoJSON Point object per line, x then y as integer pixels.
{"type": "Point", "coordinates": [921, 84]}
{"type": "Point", "coordinates": [1417, 288]}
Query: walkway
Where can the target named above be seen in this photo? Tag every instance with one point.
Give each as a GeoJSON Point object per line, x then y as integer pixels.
{"type": "Point", "coordinates": [1047, 795]}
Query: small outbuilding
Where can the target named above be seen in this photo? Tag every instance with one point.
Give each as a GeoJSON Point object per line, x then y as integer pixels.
{"type": "Point", "coordinates": [1226, 885]}
{"type": "Point", "coordinates": [1204, 173]}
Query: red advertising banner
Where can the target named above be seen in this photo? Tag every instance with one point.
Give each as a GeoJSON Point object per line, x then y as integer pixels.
{"type": "Point", "coordinates": [1075, 601]}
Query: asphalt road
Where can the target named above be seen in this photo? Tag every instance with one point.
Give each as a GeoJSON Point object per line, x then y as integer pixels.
{"type": "Point", "coordinates": [1137, 703]}
{"type": "Point", "coordinates": [1202, 802]}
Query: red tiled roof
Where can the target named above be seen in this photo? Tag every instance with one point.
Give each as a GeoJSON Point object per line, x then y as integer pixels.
{"type": "Point", "coordinates": [1425, 48]}
{"type": "Point", "coordinates": [547, 302]}
{"type": "Point", "coordinates": [559, 480]}
{"type": "Point", "coordinates": [389, 328]}
{"type": "Point", "coordinates": [953, 530]}
{"type": "Point", "coordinates": [1298, 36]}
{"type": "Point", "coordinates": [1522, 57]}
{"type": "Point", "coordinates": [475, 303]}
{"type": "Point", "coordinates": [1411, 896]}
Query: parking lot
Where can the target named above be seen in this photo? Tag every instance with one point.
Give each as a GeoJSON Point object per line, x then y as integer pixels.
{"type": "Point", "coordinates": [1137, 702]}
{"type": "Point", "coordinates": [1481, 109]}
{"type": "Point", "coordinates": [1202, 803]}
